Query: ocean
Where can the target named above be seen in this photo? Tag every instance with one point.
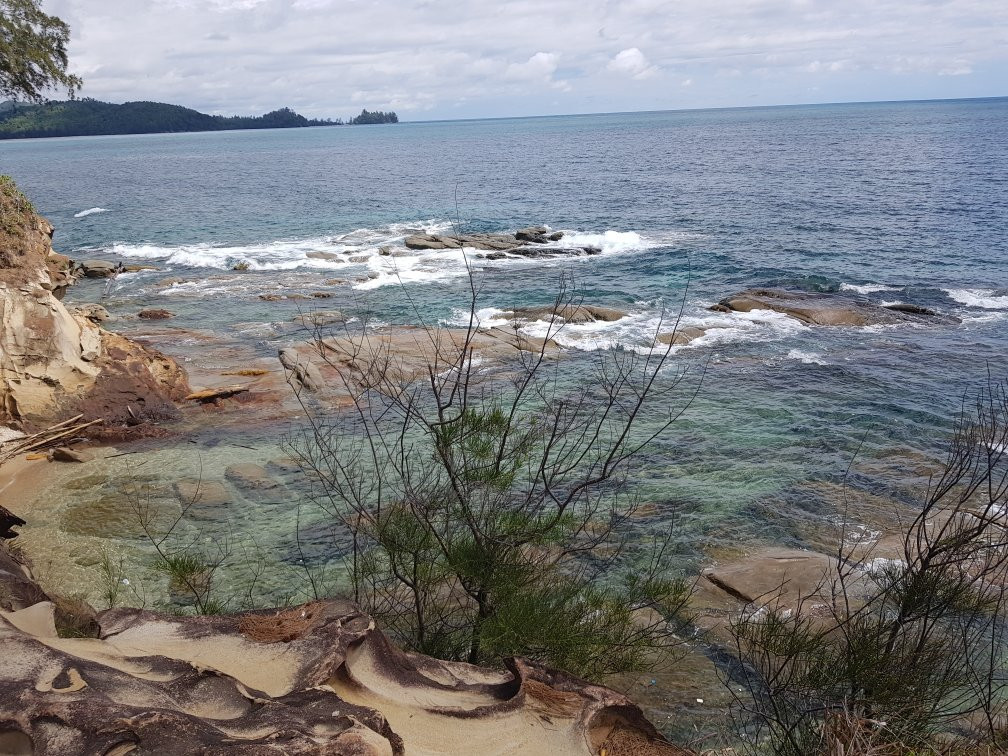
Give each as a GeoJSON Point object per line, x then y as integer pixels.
{"type": "Point", "coordinates": [893, 202]}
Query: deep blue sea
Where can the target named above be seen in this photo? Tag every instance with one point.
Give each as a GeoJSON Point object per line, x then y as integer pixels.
{"type": "Point", "coordinates": [895, 202]}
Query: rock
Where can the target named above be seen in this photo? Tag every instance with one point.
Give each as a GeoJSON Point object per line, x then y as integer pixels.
{"type": "Point", "coordinates": [320, 318]}
{"type": "Point", "coordinates": [534, 234]}
{"type": "Point", "coordinates": [495, 256]}
{"type": "Point", "coordinates": [54, 364]}
{"type": "Point", "coordinates": [683, 335]}
{"type": "Point", "coordinates": [384, 251]}
{"type": "Point", "coordinates": [827, 309]}
{"type": "Point", "coordinates": [9, 521]}
{"type": "Point", "coordinates": [93, 312]}
{"type": "Point", "coordinates": [138, 268]}
{"type": "Point", "coordinates": [66, 454]}
{"type": "Point", "coordinates": [910, 309]}
{"type": "Point", "coordinates": [250, 476]}
{"type": "Point", "coordinates": [424, 241]}
{"type": "Point", "coordinates": [302, 371]}
{"type": "Point", "coordinates": [323, 256]}
{"type": "Point", "coordinates": [99, 268]}
{"type": "Point", "coordinates": [206, 493]}
{"type": "Point", "coordinates": [213, 394]}
{"type": "Point", "coordinates": [155, 314]}
{"type": "Point", "coordinates": [167, 283]}
{"type": "Point", "coordinates": [311, 679]}
{"type": "Point", "coordinates": [357, 259]}
{"type": "Point", "coordinates": [573, 314]}
{"type": "Point", "coordinates": [281, 297]}
{"type": "Point", "coordinates": [321, 295]}
{"type": "Point", "coordinates": [334, 281]}
{"type": "Point", "coordinates": [775, 576]}
{"type": "Point", "coordinates": [555, 236]}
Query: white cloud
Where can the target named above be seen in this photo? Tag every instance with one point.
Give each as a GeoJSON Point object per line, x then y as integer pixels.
{"type": "Point", "coordinates": [633, 63]}
{"type": "Point", "coordinates": [332, 57]}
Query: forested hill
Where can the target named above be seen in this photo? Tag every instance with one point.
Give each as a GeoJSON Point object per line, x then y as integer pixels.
{"type": "Point", "coordinates": [91, 117]}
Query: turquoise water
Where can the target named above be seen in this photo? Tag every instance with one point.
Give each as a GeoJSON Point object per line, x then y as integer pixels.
{"type": "Point", "coordinates": [904, 202]}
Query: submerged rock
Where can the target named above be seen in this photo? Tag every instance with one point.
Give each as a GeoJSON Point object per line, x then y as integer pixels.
{"type": "Point", "coordinates": [303, 372]}
{"type": "Point", "coordinates": [828, 309]}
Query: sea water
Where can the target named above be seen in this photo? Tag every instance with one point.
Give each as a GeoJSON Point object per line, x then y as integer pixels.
{"type": "Point", "coordinates": [893, 202]}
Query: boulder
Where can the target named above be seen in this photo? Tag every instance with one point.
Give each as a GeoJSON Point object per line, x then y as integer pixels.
{"type": "Point", "coordinates": [99, 268]}
{"type": "Point", "coordinates": [573, 314]}
{"type": "Point", "coordinates": [66, 454]}
{"type": "Point", "coordinates": [828, 309]}
{"type": "Point", "coordinates": [155, 314]}
{"type": "Point", "coordinates": [302, 371]}
{"type": "Point", "coordinates": [323, 256]}
{"type": "Point", "coordinates": [683, 335]}
{"type": "Point", "coordinates": [93, 312]}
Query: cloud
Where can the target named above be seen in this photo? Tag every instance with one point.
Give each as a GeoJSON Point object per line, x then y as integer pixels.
{"type": "Point", "coordinates": [465, 57]}
{"type": "Point", "coordinates": [632, 63]}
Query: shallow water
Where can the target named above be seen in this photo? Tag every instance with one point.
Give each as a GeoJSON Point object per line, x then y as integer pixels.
{"type": "Point", "coordinates": [891, 202]}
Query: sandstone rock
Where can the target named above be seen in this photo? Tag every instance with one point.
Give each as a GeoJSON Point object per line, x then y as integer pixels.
{"type": "Point", "coordinates": [320, 318]}
{"type": "Point", "coordinates": [93, 312]}
{"type": "Point", "coordinates": [249, 476]}
{"type": "Point", "coordinates": [138, 268]}
{"type": "Point", "coordinates": [323, 256]}
{"type": "Point", "coordinates": [213, 394]}
{"type": "Point", "coordinates": [308, 680]}
{"type": "Point", "coordinates": [827, 309]}
{"type": "Point", "coordinates": [155, 314]}
{"type": "Point", "coordinates": [66, 454]}
{"type": "Point", "coordinates": [99, 268]}
{"type": "Point", "coordinates": [683, 335]}
{"type": "Point", "coordinates": [202, 493]}
{"type": "Point", "coordinates": [54, 363]}
{"type": "Point", "coordinates": [573, 314]}
{"type": "Point", "coordinates": [303, 371]}
{"type": "Point", "coordinates": [357, 259]}
{"type": "Point", "coordinates": [775, 576]}
{"type": "Point", "coordinates": [535, 234]}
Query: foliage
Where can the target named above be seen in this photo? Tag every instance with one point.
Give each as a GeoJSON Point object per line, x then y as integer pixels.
{"type": "Point", "coordinates": [908, 648]}
{"type": "Point", "coordinates": [488, 508]}
{"type": "Point", "coordinates": [91, 117]}
{"type": "Point", "coordinates": [369, 117]}
{"type": "Point", "coordinates": [33, 56]}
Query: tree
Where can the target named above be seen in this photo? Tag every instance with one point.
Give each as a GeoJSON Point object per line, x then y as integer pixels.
{"type": "Point", "coordinates": [909, 648]}
{"type": "Point", "coordinates": [33, 56]}
{"type": "Point", "coordinates": [486, 493]}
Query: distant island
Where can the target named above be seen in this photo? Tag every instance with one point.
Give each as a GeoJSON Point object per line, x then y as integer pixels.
{"type": "Point", "coordinates": [87, 117]}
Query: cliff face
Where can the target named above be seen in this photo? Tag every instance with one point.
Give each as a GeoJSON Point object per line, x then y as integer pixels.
{"type": "Point", "coordinates": [53, 363]}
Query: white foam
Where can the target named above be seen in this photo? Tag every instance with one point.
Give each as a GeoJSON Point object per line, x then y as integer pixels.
{"type": "Point", "coordinates": [610, 242]}
{"type": "Point", "coordinates": [988, 299]}
{"type": "Point", "coordinates": [90, 211]}
{"type": "Point", "coordinates": [809, 358]}
{"type": "Point", "coordinates": [869, 288]}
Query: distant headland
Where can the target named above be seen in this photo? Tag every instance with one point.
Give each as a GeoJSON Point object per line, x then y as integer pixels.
{"type": "Point", "coordinates": [87, 117]}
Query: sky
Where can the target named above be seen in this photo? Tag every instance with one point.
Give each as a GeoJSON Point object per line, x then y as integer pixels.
{"type": "Point", "coordinates": [434, 59]}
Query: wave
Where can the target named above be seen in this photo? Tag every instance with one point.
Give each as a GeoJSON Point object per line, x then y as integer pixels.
{"type": "Point", "coordinates": [90, 211]}
{"type": "Point", "coordinates": [370, 257]}
{"type": "Point", "coordinates": [869, 288]}
{"type": "Point", "coordinates": [987, 299]}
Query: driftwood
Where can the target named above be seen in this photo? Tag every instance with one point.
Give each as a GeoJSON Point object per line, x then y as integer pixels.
{"type": "Point", "coordinates": [47, 437]}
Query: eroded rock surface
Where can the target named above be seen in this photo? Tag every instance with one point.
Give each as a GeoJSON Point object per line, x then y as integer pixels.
{"type": "Point", "coordinates": [54, 363]}
{"type": "Point", "coordinates": [828, 309]}
{"type": "Point", "coordinates": [315, 679]}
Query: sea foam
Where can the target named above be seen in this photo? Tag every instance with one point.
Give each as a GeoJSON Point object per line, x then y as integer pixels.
{"type": "Point", "coordinates": [988, 299]}
{"type": "Point", "coordinates": [90, 211]}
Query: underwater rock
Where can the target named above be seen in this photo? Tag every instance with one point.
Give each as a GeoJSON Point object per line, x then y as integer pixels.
{"type": "Point", "coordinates": [828, 309]}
